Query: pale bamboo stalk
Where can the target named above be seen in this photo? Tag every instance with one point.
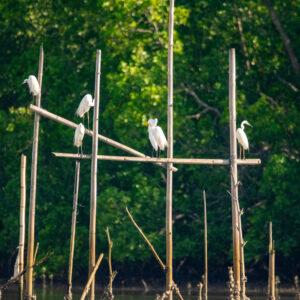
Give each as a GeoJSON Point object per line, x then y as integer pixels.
{"type": "Point", "coordinates": [233, 163]}
{"type": "Point", "coordinates": [270, 262]}
{"type": "Point", "coordinates": [94, 163]}
{"type": "Point", "coordinates": [273, 272]}
{"type": "Point", "coordinates": [31, 219]}
{"type": "Point", "coordinates": [35, 252]}
{"type": "Point", "coordinates": [22, 221]}
{"type": "Point", "coordinates": [110, 245]}
{"type": "Point", "coordinates": [205, 247]}
{"type": "Point", "coordinates": [73, 228]}
{"type": "Point", "coordinates": [102, 138]}
{"type": "Point", "coordinates": [91, 277]}
{"type": "Point", "coordinates": [195, 161]}
{"type": "Point", "coordinates": [200, 286]}
{"type": "Point", "coordinates": [169, 231]}
{"type": "Point", "coordinates": [146, 240]}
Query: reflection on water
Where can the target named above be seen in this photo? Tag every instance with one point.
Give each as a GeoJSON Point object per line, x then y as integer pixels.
{"type": "Point", "coordinates": [58, 294]}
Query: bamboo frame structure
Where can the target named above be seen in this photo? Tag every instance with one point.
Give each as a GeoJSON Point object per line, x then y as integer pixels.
{"type": "Point", "coordinates": [271, 277]}
{"type": "Point", "coordinates": [73, 229]}
{"type": "Point", "coordinates": [184, 161]}
{"type": "Point", "coordinates": [169, 231]}
{"type": "Point", "coordinates": [58, 119]}
{"type": "Point", "coordinates": [234, 178]}
{"type": "Point", "coordinates": [22, 222]}
{"type": "Point", "coordinates": [31, 219]}
{"type": "Point", "coordinates": [205, 247]}
{"type": "Point", "coordinates": [94, 164]}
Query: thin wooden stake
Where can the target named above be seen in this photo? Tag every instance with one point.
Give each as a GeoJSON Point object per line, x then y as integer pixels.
{"type": "Point", "coordinates": [169, 231]}
{"type": "Point", "coordinates": [146, 240]}
{"type": "Point", "coordinates": [73, 229]}
{"type": "Point", "coordinates": [273, 272]}
{"type": "Point", "coordinates": [110, 245]}
{"type": "Point", "coordinates": [31, 219]}
{"type": "Point", "coordinates": [234, 184]}
{"type": "Point", "coordinates": [205, 247]}
{"type": "Point", "coordinates": [91, 277]}
{"type": "Point", "coordinates": [22, 222]}
{"type": "Point", "coordinates": [93, 209]}
{"type": "Point", "coordinates": [270, 262]}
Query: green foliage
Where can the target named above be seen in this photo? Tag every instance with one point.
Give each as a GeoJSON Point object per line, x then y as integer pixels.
{"type": "Point", "coordinates": [133, 37]}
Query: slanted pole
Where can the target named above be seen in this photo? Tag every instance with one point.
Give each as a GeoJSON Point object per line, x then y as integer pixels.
{"type": "Point", "coordinates": [169, 238]}
{"type": "Point", "coordinates": [234, 177]}
{"type": "Point", "coordinates": [22, 223]}
{"type": "Point", "coordinates": [205, 247]}
{"type": "Point", "coordinates": [92, 237]}
{"type": "Point", "coordinates": [73, 228]}
{"type": "Point", "coordinates": [31, 219]}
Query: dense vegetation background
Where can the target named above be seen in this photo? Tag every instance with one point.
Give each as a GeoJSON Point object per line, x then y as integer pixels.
{"type": "Point", "coordinates": [133, 37]}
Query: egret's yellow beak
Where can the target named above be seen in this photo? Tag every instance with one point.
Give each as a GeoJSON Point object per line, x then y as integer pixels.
{"type": "Point", "coordinates": [145, 124]}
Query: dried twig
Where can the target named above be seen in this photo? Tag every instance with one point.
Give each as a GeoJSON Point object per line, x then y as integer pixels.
{"type": "Point", "coordinates": [146, 240]}
{"type": "Point", "coordinates": [173, 287]}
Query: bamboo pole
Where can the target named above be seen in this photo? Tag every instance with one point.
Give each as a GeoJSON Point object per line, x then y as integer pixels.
{"type": "Point", "coordinates": [205, 247]}
{"type": "Point", "coordinates": [22, 222]}
{"type": "Point", "coordinates": [273, 272]}
{"type": "Point", "coordinates": [110, 245]}
{"type": "Point", "coordinates": [270, 262]}
{"type": "Point", "coordinates": [73, 228]}
{"type": "Point", "coordinates": [91, 277]}
{"type": "Point", "coordinates": [234, 177]}
{"type": "Point", "coordinates": [184, 161]}
{"type": "Point", "coordinates": [147, 241]}
{"type": "Point", "coordinates": [169, 233]}
{"type": "Point", "coordinates": [102, 138]}
{"type": "Point", "coordinates": [31, 219]}
{"type": "Point", "coordinates": [92, 235]}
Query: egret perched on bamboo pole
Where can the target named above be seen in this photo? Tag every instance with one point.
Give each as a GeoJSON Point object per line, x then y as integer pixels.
{"type": "Point", "coordinates": [86, 103]}
{"type": "Point", "coordinates": [156, 136]}
{"type": "Point", "coordinates": [242, 137]}
{"type": "Point", "coordinates": [34, 87]}
{"type": "Point", "coordinates": [78, 137]}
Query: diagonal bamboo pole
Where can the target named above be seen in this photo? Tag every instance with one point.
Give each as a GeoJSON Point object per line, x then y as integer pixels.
{"type": "Point", "coordinates": [234, 185]}
{"type": "Point", "coordinates": [169, 234]}
{"type": "Point", "coordinates": [31, 219]}
{"type": "Point", "coordinates": [73, 228]}
{"type": "Point", "coordinates": [22, 222]}
{"type": "Point", "coordinates": [58, 119]}
{"type": "Point", "coordinates": [92, 235]}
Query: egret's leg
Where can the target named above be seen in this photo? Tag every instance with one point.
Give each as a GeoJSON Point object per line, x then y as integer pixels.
{"type": "Point", "coordinates": [88, 120]}
{"type": "Point", "coordinates": [240, 152]}
{"type": "Point", "coordinates": [78, 150]}
{"type": "Point", "coordinates": [81, 150]}
{"type": "Point", "coordinates": [158, 152]}
{"type": "Point", "coordinates": [243, 153]}
{"type": "Point", "coordinates": [152, 152]}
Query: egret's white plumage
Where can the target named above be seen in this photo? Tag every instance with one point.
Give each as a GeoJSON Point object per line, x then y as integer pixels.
{"type": "Point", "coordinates": [78, 136]}
{"type": "Point", "coordinates": [156, 135]}
{"type": "Point", "coordinates": [242, 137]}
{"type": "Point", "coordinates": [86, 103]}
{"type": "Point", "coordinates": [34, 87]}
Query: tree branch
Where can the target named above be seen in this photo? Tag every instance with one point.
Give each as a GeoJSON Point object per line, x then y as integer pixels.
{"type": "Point", "coordinates": [285, 39]}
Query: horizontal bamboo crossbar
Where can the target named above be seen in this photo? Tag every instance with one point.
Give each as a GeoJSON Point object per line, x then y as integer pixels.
{"type": "Point", "coordinates": [193, 161]}
{"type": "Point", "coordinates": [51, 116]}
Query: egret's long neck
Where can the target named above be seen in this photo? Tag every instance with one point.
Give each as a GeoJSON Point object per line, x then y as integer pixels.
{"type": "Point", "coordinates": [242, 125]}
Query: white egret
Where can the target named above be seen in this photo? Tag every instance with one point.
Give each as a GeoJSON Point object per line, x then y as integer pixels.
{"type": "Point", "coordinates": [242, 137]}
{"type": "Point", "coordinates": [34, 87]}
{"type": "Point", "coordinates": [78, 137]}
{"type": "Point", "coordinates": [156, 136]}
{"type": "Point", "coordinates": [86, 103]}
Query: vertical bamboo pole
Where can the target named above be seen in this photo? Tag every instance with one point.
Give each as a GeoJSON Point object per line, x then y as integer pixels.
{"type": "Point", "coordinates": [169, 237]}
{"type": "Point", "coordinates": [270, 262]}
{"type": "Point", "coordinates": [31, 219]}
{"type": "Point", "coordinates": [92, 237]}
{"type": "Point", "coordinates": [233, 164]}
{"type": "Point", "coordinates": [73, 227]}
{"type": "Point", "coordinates": [22, 222]}
{"type": "Point", "coordinates": [273, 272]}
{"type": "Point", "coordinates": [205, 247]}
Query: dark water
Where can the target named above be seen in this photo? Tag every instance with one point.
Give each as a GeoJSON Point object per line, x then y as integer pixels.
{"type": "Point", "coordinates": [58, 294]}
